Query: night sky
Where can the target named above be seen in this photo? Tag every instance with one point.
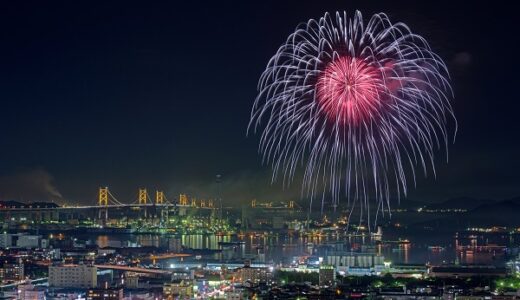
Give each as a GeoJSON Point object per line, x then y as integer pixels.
{"type": "Point", "coordinates": [158, 95]}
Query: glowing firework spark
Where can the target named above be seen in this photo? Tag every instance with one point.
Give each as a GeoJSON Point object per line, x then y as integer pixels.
{"type": "Point", "coordinates": [359, 106]}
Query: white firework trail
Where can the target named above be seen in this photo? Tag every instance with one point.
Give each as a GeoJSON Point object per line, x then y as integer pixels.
{"type": "Point", "coordinates": [359, 108]}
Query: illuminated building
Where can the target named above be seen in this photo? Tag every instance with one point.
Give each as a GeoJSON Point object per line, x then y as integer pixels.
{"type": "Point", "coordinates": [363, 260]}
{"type": "Point", "coordinates": [29, 292]}
{"type": "Point", "coordinates": [327, 275]}
{"type": "Point", "coordinates": [30, 241]}
{"type": "Point", "coordinates": [406, 270]}
{"type": "Point", "coordinates": [253, 275]}
{"type": "Point", "coordinates": [178, 289]}
{"type": "Point", "coordinates": [73, 276]}
{"type": "Point", "coordinates": [6, 240]}
{"type": "Point", "coordinates": [22, 240]}
{"type": "Point", "coordinates": [11, 270]}
{"type": "Point", "coordinates": [132, 280]}
{"type": "Point", "coordinates": [105, 294]}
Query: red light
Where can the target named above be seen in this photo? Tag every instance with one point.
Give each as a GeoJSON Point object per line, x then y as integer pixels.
{"type": "Point", "coordinates": [349, 90]}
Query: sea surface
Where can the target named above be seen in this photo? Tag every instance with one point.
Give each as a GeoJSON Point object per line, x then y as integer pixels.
{"type": "Point", "coordinates": [431, 248]}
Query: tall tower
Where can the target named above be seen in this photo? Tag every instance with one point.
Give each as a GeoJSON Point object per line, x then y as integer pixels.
{"type": "Point", "coordinates": [159, 197]}
{"type": "Point", "coordinates": [143, 196]}
{"type": "Point", "coordinates": [103, 196]}
{"type": "Point", "coordinates": [183, 199]}
{"type": "Point", "coordinates": [163, 210]}
{"type": "Point", "coordinates": [103, 203]}
{"type": "Point", "coordinates": [143, 200]}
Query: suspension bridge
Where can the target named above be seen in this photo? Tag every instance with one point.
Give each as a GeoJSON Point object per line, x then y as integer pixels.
{"type": "Point", "coordinates": [144, 205]}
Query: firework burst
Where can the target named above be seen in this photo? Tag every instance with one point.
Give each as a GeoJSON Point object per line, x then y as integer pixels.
{"type": "Point", "coordinates": [359, 108]}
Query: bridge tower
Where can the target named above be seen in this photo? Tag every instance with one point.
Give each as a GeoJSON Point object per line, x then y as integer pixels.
{"type": "Point", "coordinates": [183, 199]}
{"type": "Point", "coordinates": [291, 204]}
{"type": "Point", "coordinates": [103, 203]}
{"type": "Point", "coordinates": [159, 197]}
{"type": "Point", "coordinates": [103, 196]}
{"type": "Point", "coordinates": [159, 200]}
{"type": "Point", "coordinates": [143, 196]}
{"type": "Point", "coordinates": [142, 199]}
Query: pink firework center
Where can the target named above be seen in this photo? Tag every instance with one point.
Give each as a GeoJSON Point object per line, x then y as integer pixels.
{"type": "Point", "coordinates": [349, 90]}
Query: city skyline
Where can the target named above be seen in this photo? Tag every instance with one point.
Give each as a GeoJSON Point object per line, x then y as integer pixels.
{"type": "Point", "coordinates": [160, 97]}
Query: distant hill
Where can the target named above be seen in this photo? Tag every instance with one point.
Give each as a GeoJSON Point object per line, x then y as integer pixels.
{"type": "Point", "coordinates": [407, 203]}
{"type": "Point", "coordinates": [460, 203]}
{"type": "Point", "coordinates": [11, 203]}
{"type": "Point", "coordinates": [43, 204]}
{"type": "Point", "coordinates": [500, 213]}
{"type": "Point", "coordinates": [17, 204]}
{"type": "Point", "coordinates": [506, 210]}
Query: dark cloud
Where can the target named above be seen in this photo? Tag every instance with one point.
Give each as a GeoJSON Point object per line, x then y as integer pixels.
{"type": "Point", "coordinates": [29, 186]}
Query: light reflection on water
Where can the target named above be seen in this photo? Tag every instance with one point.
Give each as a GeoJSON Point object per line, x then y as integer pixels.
{"type": "Point", "coordinates": [282, 248]}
